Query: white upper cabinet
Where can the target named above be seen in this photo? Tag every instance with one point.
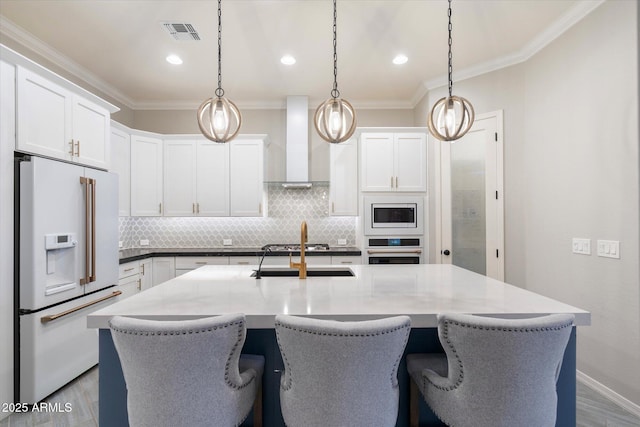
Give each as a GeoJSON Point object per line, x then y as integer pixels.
{"type": "Point", "coordinates": [43, 116]}
{"type": "Point", "coordinates": [55, 122]}
{"type": "Point", "coordinates": [180, 178]}
{"type": "Point", "coordinates": [91, 131]}
{"type": "Point", "coordinates": [121, 165]}
{"type": "Point", "coordinates": [146, 176]}
{"type": "Point", "coordinates": [343, 190]}
{"type": "Point", "coordinates": [204, 178]}
{"type": "Point", "coordinates": [246, 176]}
{"type": "Point", "coordinates": [212, 177]}
{"type": "Point", "coordinates": [394, 162]}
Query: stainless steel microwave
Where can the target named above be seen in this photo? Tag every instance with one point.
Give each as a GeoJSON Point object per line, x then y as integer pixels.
{"type": "Point", "coordinates": [391, 215]}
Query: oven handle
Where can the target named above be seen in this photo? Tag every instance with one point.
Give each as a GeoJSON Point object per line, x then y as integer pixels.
{"type": "Point", "coordinates": [413, 251]}
{"type": "Point", "coordinates": [47, 319]}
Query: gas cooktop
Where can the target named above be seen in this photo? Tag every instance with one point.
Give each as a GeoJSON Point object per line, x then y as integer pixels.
{"type": "Point", "coordinates": [293, 247]}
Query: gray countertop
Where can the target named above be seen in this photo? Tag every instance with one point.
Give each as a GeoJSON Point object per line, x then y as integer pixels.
{"type": "Point", "coordinates": [127, 255]}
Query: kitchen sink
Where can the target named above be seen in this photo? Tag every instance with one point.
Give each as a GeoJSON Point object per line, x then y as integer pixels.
{"type": "Point", "coordinates": [311, 272]}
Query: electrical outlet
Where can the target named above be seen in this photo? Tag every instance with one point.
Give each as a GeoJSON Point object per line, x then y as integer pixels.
{"type": "Point", "coordinates": [119, 244]}
{"type": "Point", "coordinates": [342, 242]}
{"type": "Point", "coordinates": [227, 242]}
{"type": "Point", "coordinates": [144, 242]}
{"type": "Point", "coordinates": [581, 246]}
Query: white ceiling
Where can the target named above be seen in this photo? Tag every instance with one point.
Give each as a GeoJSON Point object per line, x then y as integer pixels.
{"type": "Point", "coordinates": [120, 46]}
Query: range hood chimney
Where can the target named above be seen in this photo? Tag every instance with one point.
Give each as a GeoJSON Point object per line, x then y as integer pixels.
{"type": "Point", "coordinates": [297, 144]}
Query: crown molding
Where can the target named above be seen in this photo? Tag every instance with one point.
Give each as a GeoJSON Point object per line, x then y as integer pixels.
{"type": "Point", "coordinates": [18, 34]}
{"type": "Point", "coordinates": [551, 33]}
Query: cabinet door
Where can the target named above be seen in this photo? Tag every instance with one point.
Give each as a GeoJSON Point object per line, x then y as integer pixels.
{"type": "Point", "coordinates": [377, 162]}
{"type": "Point", "coordinates": [245, 178]}
{"type": "Point", "coordinates": [410, 162]}
{"type": "Point", "coordinates": [346, 260]}
{"type": "Point", "coordinates": [164, 268]}
{"type": "Point", "coordinates": [179, 178]}
{"type": "Point", "coordinates": [146, 176]}
{"type": "Point", "coordinates": [343, 190]}
{"type": "Point", "coordinates": [121, 165]}
{"type": "Point", "coordinates": [146, 273]}
{"type": "Point", "coordinates": [91, 126]}
{"type": "Point", "coordinates": [129, 286]}
{"type": "Point", "coordinates": [212, 182]}
{"type": "Point", "coordinates": [43, 116]}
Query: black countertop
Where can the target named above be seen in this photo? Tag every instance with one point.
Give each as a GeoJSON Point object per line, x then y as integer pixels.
{"type": "Point", "coordinates": [127, 255]}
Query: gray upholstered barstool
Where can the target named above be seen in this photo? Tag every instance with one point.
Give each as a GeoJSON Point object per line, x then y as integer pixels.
{"type": "Point", "coordinates": [188, 373]}
{"type": "Point", "coordinates": [340, 373]}
{"type": "Point", "coordinates": [496, 372]}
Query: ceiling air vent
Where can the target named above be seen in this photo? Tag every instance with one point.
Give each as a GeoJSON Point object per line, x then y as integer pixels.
{"type": "Point", "coordinates": [181, 31]}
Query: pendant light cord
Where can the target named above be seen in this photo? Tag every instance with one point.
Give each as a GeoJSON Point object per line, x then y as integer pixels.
{"type": "Point", "coordinates": [450, 55]}
{"type": "Point", "coordinates": [219, 90]}
{"type": "Point", "coordinates": [335, 93]}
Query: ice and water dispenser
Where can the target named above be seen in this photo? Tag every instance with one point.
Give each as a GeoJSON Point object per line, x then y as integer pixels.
{"type": "Point", "coordinates": [61, 262]}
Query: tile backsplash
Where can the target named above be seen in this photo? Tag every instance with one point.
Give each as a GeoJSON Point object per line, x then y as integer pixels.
{"type": "Point", "coordinates": [286, 208]}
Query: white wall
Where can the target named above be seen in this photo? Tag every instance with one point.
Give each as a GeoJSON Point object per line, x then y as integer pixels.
{"type": "Point", "coordinates": [7, 135]}
{"type": "Point", "coordinates": [581, 180]}
{"type": "Point", "coordinates": [572, 170]}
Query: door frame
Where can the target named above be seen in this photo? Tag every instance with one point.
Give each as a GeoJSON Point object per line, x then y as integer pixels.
{"type": "Point", "coordinates": [443, 238]}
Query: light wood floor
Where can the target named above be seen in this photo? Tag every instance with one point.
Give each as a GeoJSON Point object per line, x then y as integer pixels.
{"type": "Point", "coordinates": [593, 410]}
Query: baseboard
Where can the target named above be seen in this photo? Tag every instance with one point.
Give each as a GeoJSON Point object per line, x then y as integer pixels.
{"type": "Point", "coordinates": [608, 393]}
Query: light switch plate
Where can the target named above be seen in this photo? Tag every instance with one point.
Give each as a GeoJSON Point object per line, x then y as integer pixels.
{"type": "Point", "coordinates": [144, 242]}
{"type": "Point", "coordinates": [342, 242]}
{"type": "Point", "coordinates": [609, 248]}
{"type": "Point", "coordinates": [119, 244]}
{"type": "Point", "coordinates": [581, 246]}
{"type": "Point", "coordinates": [227, 242]}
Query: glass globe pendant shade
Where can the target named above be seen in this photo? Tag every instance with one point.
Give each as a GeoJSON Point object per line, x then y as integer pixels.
{"type": "Point", "coordinates": [335, 120]}
{"type": "Point", "coordinates": [451, 118]}
{"type": "Point", "coordinates": [219, 119]}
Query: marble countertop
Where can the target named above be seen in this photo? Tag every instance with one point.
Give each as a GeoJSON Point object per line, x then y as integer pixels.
{"type": "Point", "coordinates": [420, 291]}
{"type": "Point", "coordinates": [127, 255]}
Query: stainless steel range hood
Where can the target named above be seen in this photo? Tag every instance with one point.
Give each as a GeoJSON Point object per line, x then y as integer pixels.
{"type": "Point", "coordinates": [297, 144]}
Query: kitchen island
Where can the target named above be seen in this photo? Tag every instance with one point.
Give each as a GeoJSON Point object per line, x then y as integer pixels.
{"type": "Point", "coordinates": [419, 291]}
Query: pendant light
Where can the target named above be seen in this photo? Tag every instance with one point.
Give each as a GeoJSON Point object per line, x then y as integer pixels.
{"type": "Point", "coordinates": [218, 118]}
{"type": "Point", "coordinates": [335, 119]}
{"type": "Point", "coordinates": [452, 116]}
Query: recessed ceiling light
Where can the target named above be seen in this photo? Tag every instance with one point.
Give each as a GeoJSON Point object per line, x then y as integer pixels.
{"type": "Point", "coordinates": [400, 59]}
{"type": "Point", "coordinates": [288, 60]}
{"type": "Point", "coordinates": [174, 59]}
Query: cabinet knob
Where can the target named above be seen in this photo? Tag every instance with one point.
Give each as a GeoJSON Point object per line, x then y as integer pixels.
{"type": "Point", "coordinates": [446, 252]}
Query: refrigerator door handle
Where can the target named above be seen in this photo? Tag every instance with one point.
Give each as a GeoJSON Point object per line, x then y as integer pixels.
{"type": "Point", "coordinates": [89, 230]}
{"type": "Point", "coordinates": [92, 277]}
{"type": "Point", "coordinates": [51, 317]}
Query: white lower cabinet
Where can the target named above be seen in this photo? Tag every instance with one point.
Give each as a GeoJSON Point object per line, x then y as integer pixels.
{"type": "Point", "coordinates": [146, 274]}
{"type": "Point", "coordinates": [346, 260]}
{"type": "Point", "coordinates": [164, 268]}
{"type": "Point", "coordinates": [185, 264]}
{"type": "Point", "coordinates": [129, 282]}
{"type": "Point", "coordinates": [244, 260]}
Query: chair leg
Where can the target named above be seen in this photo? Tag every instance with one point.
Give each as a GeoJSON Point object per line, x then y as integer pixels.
{"type": "Point", "coordinates": [257, 409]}
{"type": "Point", "coordinates": [414, 405]}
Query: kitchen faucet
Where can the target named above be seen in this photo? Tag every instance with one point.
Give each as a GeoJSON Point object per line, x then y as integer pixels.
{"type": "Point", "coordinates": [302, 265]}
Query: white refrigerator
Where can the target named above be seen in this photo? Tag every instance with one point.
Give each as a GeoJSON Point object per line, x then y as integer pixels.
{"type": "Point", "coordinates": [67, 241]}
